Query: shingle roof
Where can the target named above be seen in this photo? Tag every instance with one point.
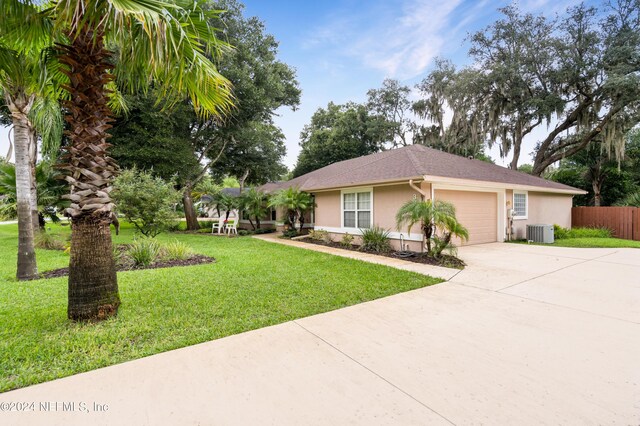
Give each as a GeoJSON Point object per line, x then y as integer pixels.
{"type": "Point", "coordinates": [234, 192]}
{"type": "Point", "coordinates": [411, 162]}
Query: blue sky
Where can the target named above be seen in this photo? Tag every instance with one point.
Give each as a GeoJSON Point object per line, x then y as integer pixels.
{"type": "Point", "coordinates": [343, 48]}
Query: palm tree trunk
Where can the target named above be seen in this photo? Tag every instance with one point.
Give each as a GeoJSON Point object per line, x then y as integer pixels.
{"type": "Point", "coordinates": [93, 286]}
{"type": "Point", "coordinates": [93, 292]}
{"type": "Point", "coordinates": [428, 232]}
{"type": "Point", "coordinates": [257, 222]}
{"type": "Point", "coordinates": [189, 210]}
{"type": "Point", "coordinates": [19, 107]}
{"type": "Point", "coordinates": [33, 158]}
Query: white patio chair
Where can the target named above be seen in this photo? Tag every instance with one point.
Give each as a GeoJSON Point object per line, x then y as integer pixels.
{"type": "Point", "coordinates": [232, 226]}
{"type": "Point", "coordinates": [217, 225]}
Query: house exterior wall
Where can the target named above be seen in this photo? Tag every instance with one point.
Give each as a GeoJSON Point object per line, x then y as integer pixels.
{"type": "Point", "coordinates": [386, 202]}
{"type": "Point", "coordinates": [543, 208]}
{"type": "Point", "coordinates": [328, 209]}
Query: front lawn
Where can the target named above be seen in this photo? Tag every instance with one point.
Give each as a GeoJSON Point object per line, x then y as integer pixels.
{"type": "Point", "coordinates": [597, 242]}
{"type": "Point", "coordinates": [253, 284]}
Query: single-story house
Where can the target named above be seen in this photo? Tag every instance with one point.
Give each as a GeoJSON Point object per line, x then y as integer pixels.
{"type": "Point", "coordinates": [367, 191]}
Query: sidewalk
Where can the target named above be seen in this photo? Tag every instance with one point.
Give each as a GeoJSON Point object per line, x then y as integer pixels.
{"type": "Point", "coordinates": [434, 271]}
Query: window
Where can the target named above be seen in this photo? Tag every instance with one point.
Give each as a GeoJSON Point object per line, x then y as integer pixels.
{"type": "Point", "coordinates": [356, 209]}
{"type": "Point", "coordinates": [520, 205]}
{"type": "Point", "coordinates": [274, 214]}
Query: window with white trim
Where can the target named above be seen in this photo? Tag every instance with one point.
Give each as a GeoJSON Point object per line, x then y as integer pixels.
{"type": "Point", "coordinates": [520, 205]}
{"type": "Point", "coordinates": [356, 209]}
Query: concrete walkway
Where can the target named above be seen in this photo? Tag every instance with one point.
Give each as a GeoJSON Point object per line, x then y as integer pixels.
{"type": "Point", "coordinates": [434, 271]}
{"type": "Point", "coordinates": [525, 335]}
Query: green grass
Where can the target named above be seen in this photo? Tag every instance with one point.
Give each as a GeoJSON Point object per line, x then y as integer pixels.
{"type": "Point", "coordinates": [597, 242]}
{"type": "Point", "coordinates": [253, 284]}
{"type": "Point", "coordinates": [588, 243]}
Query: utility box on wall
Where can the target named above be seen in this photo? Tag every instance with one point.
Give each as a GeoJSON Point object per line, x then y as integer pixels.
{"type": "Point", "coordinates": [540, 233]}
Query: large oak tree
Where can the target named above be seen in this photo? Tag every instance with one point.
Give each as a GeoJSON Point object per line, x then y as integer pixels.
{"type": "Point", "coordinates": [577, 76]}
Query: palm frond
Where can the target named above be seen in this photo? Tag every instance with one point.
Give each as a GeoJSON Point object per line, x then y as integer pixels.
{"type": "Point", "coordinates": [26, 24]}
{"type": "Point", "coordinates": [46, 116]}
{"type": "Point", "coordinates": [165, 44]}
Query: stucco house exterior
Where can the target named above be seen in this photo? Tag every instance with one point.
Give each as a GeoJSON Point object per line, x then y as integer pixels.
{"type": "Point", "coordinates": [366, 191]}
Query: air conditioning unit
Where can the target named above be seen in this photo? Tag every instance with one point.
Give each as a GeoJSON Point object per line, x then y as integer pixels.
{"type": "Point", "coordinates": [540, 233]}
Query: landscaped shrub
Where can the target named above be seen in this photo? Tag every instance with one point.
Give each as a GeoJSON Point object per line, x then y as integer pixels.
{"type": "Point", "coordinates": [564, 233]}
{"type": "Point", "coordinates": [290, 233]}
{"type": "Point", "coordinates": [375, 239]}
{"type": "Point", "coordinates": [146, 201]}
{"type": "Point", "coordinates": [206, 224]}
{"type": "Point", "coordinates": [144, 251]}
{"type": "Point", "coordinates": [264, 231]}
{"type": "Point", "coordinates": [318, 235]}
{"type": "Point", "coordinates": [559, 232]}
{"type": "Point", "coordinates": [119, 255]}
{"type": "Point", "coordinates": [44, 240]}
{"type": "Point", "coordinates": [176, 250]}
{"type": "Point", "coordinates": [347, 240]}
{"type": "Point", "coordinates": [177, 226]}
{"type": "Point", "coordinates": [589, 233]}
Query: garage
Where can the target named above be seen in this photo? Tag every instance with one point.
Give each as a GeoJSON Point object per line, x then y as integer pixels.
{"type": "Point", "coordinates": [477, 211]}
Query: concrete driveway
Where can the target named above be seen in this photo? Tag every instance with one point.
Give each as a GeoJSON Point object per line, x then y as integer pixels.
{"type": "Point", "coordinates": [524, 335]}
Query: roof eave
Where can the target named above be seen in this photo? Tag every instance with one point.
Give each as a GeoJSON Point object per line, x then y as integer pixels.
{"type": "Point", "coordinates": [502, 185]}
{"type": "Point", "coordinates": [365, 183]}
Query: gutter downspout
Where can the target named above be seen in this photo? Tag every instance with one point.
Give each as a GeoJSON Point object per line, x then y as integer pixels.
{"type": "Point", "coordinates": [417, 189]}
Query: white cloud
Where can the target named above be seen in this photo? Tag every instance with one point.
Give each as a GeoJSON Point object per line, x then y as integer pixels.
{"type": "Point", "coordinates": [399, 42]}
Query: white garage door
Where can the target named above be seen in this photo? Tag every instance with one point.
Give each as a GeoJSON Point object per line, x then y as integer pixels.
{"type": "Point", "coordinates": [477, 211]}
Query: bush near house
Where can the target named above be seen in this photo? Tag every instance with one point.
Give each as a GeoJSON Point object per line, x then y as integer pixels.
{"type": "Point", "coordinates": [146, 201]}
{"type": "Point", "coordinates": [320, 235]}
{"type": "Point", "coordinates": [347, 240]}
{"type": "Point", "coordinates": [565, 233]}
{"type": "Point", "coordinates": [375, 239]}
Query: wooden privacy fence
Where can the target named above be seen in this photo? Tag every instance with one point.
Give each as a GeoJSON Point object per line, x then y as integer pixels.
{"type": "Point", "coordinates": [624, 222]}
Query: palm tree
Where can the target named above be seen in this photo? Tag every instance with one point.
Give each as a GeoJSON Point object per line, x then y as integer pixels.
{"type": "Point", "coordinates": [450, 227]}
{"type": "Point", "coordinates": [632, 200]}
{"type": "Point", "coordinates": [27, 84]}
{"type": "Point", "coordinates": [19, 84]}
{"type": "Point", "coordinates": [254, 204]}
{"type": "Point", "coordinates": [49, 187]}
{"type": "Point", "coordinates": [137, 44]}
{"type": "Point", "coordinates": [225, 203]}
{"type": "Point", "coordinates": [431, 215]}
{"type": "Point", "coordinates": [295, 202]}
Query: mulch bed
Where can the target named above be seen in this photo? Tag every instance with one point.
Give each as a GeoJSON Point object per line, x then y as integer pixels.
{"type": "Point", "coordinates": [445, 260]}
{"type": "Point", "coordinates": [197, 259]}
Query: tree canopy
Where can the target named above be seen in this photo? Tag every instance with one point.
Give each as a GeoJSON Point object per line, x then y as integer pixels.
{"type": "Point", "coordinates": [578, 74]}
{"type": "Point", "coordinates": [247, 140]}
{"type": "Point", "coordinates": [339, 132]}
